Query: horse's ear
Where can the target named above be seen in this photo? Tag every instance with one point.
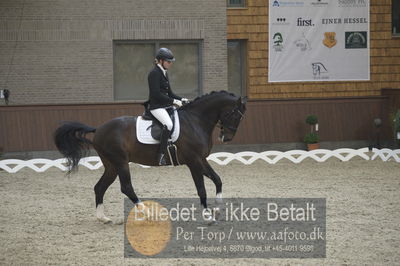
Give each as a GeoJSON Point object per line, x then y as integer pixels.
{"type": "Point", "coordinates": [243, 100]}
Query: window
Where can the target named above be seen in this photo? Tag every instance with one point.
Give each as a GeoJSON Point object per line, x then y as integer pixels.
{"type": "Point", "coordinates": [133, 61]}
{"type": "Point", "coordinates": [237, 67]}
{"type": "Point", "coordinates": [236, 3]}
{"type": "Point", "coordinates": [396, 17]}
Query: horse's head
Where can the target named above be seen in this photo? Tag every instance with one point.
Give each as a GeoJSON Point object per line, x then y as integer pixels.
{"type": "Point", "coordinates": [230, 119]}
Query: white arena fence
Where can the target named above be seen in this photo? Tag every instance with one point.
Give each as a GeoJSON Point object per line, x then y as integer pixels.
{"type": "Point", "coordinates": [222, 158]}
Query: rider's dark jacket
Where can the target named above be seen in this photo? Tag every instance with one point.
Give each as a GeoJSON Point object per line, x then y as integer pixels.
{"type": "Point", "coordinates": [161, 95]}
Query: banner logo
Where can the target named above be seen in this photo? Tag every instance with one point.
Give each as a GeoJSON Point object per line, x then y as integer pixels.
{"type": "Point", "coordinates": [319, 3]}
{"type": "Point", "coordinates": [303, 44]}
{"type": "Point", "coordinates": [278, 42]}
{"type": "Point", "coordinates": [277, 3]}
{"type": "Point", "coordinates": [327, 21]}
{"type": "Point", "coordinates": [304, 22]}
{"type": "Point", "coordinates": [329, 40]}
{"type": "Point", "coordinates": [281, 22]}
{"type": "Point", "coordinates": [355, 21]}
{"type": "Point", "coordinates": [319, 71]}
{"type": "Point", "coordinates": [356, 39]}
{"type": "Point", "coordinates": [352, 3]}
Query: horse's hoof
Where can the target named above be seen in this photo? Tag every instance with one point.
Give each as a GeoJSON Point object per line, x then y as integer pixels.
{"type": "Point", "coordinates": [145, 213]}
{"type": "Point", "coordinates": [212, 221]}
{"type": "Point", "coordinates": [217, 213]}
{"type": "Point", "coordinates": [104, 220]}
{"type": "Point", "coordinates": [218, 199]}
{"type": "Point", "coordinates": [210, 216]}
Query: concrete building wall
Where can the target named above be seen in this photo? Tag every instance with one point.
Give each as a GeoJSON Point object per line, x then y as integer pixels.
{"type": "Point", "coordinates": [61, 51]}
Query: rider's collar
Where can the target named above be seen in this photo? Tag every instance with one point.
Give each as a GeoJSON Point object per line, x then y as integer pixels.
{"type": "Point", "coordinates": [163, 70]}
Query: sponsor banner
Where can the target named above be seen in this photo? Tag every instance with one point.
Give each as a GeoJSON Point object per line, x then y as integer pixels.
{"type": "Point", "coordinates": [243, 228]}
{"type": "Point", "coordinates": [318, 40]}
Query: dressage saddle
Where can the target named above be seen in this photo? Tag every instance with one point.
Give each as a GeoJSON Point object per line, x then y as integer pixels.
{"type": "Point", "coordinates": [156, 126]}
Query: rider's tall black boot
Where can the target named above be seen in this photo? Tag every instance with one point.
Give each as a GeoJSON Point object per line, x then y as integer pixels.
{"type": "Point", "coordinates": [165, 134]}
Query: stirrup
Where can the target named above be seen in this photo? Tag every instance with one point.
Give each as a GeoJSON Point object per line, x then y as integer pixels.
{"type": "Point", "coordinates": [161, 160]}
{"type": "Point", "coordinates": [165, 133]}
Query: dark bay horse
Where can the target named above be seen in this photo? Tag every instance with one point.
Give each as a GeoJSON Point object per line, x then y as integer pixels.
{"type": "Point", "coordinates": [117, 145]}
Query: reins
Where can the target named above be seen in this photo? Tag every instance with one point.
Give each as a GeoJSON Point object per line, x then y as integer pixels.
{"type": "Point", "coordinates": [224, 120]}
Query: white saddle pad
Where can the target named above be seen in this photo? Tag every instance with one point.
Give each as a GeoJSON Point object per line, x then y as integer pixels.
{"type": "Point", "coordinates": [143, 130]}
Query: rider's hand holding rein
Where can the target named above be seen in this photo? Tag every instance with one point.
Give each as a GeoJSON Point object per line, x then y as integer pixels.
{"type": "Point", "coordinates": [178, 103]}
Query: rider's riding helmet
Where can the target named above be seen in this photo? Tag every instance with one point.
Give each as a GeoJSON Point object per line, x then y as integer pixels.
{"type": "Point", "coordinates": [165, 54]}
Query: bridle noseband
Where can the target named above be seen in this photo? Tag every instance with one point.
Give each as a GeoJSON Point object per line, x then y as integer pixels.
{"type": "Point", "coordinates": [224, 121]}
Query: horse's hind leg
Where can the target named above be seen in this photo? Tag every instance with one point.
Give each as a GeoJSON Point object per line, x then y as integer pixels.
{"type": "Point", "coordinates": [126, 183]}
{"type": "Point", "coordinates": [100, 188]}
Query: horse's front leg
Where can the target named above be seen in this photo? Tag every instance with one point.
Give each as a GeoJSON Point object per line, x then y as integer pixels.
{"type": "Point", "coordinates": [210, 173]}
{"type": "Point", "coordinates": [198, 170]}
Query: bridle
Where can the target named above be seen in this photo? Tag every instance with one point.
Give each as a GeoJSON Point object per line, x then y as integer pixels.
{"type": "Point", "coordinates": [224, 121]}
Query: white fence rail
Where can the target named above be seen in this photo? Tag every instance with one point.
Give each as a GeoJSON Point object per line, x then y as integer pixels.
{"type": "Point", "coordinates": [221, 158]}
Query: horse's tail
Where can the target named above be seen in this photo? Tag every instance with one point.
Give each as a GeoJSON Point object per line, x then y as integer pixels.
{"type": "Point", "coordinates": [70, 139]}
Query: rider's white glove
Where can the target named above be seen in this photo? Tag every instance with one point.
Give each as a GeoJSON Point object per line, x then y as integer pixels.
{"type": "Point", "coordinates": [177, 103]}
{"type": "Point", "coordinates": [184, 100]}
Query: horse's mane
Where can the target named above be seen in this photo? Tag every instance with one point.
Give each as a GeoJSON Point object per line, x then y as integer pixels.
{"type": "Point", "coordinates": [207, 96]}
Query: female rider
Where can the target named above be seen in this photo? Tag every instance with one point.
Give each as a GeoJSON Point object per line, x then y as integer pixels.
{"type": "Point", "coordinates": [161, 97]}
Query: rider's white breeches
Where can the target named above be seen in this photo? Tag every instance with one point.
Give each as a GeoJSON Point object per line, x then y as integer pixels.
{"type": "Point", "coordinates": [162, 115]}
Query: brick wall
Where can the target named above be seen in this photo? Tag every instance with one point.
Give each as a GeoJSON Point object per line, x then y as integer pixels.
{"type": "Point", "coordinates": [61, 51]}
